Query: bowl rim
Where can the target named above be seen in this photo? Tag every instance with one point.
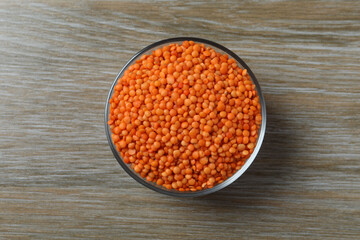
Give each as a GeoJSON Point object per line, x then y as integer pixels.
{"type": "Point", "coordinates": [219, 186]}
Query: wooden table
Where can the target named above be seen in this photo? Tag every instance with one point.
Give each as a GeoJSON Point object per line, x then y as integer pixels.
{"type": "Point", "coordinates": [59, 179]}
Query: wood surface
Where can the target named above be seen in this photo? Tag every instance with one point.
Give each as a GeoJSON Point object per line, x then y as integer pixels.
{"type": "Point", "coordinates": [59, 179]}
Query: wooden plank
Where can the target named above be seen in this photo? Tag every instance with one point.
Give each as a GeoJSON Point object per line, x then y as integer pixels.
{"type": "Point", "coordinates": [58, 177]}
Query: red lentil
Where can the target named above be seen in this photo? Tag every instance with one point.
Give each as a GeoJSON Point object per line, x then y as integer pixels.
{"type": "Point", "coordinates": [185, 117]}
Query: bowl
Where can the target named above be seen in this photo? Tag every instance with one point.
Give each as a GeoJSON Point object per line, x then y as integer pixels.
{"type": "Point", "coordinates": [219, 48]}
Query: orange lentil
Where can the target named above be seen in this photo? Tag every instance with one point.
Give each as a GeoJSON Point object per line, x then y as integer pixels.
{"type": "Point", "coordinates": [185, 117]}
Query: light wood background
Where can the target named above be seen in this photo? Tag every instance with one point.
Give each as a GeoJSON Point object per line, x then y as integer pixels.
{"type": "Point", "coordinates": [59, 179]}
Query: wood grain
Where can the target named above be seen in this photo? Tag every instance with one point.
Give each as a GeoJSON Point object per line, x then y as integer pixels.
{"type": "Point", "coordinates": [59, 180]}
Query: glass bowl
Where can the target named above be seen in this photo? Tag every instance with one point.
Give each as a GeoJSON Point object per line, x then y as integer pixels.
{"type": "Point", "coordinates": [218, 48]}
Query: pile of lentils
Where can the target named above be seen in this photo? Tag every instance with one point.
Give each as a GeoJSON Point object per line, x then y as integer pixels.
{"type": "Point", "coordinates": [185, 117]}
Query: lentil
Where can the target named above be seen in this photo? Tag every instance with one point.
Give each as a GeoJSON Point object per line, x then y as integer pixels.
{"type": "Point", "coordinates": [185, 117]}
